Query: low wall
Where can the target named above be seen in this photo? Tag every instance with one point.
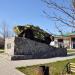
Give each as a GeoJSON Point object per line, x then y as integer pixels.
{"type": "Point", "coordinates": [28, 49]}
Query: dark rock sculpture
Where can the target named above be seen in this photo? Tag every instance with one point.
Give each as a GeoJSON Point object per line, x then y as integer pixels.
{"type": "Point", "coordinates": [33, 33]}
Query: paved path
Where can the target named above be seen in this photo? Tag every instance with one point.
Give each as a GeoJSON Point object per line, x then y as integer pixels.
{"type": "Point", "coordinates": [7, 67]}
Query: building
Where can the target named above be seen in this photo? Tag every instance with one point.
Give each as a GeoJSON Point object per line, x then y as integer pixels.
{"type": "Point", "coordinates": [1, 43]}
{"type": "Point", "coordinates": [66, 40]}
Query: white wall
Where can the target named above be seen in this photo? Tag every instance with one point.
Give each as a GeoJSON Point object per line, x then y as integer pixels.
{"type": "Point", "coordinates": [9, 42]}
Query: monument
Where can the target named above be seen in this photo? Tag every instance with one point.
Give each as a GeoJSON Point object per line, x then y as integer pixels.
{"type": "Point", "coordinates": [31, 42]}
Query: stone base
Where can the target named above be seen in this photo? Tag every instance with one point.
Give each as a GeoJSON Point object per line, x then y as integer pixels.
{"type": "Point", "coordinates": [28, 49]}
{"type": "Point", "coordinates": [21, 57]}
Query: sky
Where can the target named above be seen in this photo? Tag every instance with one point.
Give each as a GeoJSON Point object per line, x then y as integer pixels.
{"type": "Point", "coordinates": [21, 12]}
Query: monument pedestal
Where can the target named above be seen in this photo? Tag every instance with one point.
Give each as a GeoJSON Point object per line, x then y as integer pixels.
{"type": "Point", "coordinates": [23, 48]}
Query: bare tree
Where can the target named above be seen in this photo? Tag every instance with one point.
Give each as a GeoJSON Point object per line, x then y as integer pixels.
{"type": "Point", "coordinates": [73, 1]}
{"type": "Point", "coordinates": [59, 30]}
{"type": "Point", "coordinates": [62, 11]}
{"type": "Point", "coordinates": [3, 34]}
{"type": "Point", "coordinates": [5, 30]}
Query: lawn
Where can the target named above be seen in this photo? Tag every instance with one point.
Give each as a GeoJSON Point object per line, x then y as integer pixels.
{"type": "Point", "coordinates": [1, 50]}
{"type": "Point", "coordinates": [70, 51]}
{"type": "Point", "coordinates": [54, 68]}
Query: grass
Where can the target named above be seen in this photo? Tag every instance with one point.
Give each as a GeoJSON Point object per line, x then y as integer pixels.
{"type": "Point", "coordinates": [1, 51]}
{"type": "Point", "coordinates": [71, 51]}
{"type": "Point", "coordinates": [54, 68]}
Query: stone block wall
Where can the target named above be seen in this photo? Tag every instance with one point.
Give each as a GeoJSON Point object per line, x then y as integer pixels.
{"type": "Point", "coordinates": [28, 49]}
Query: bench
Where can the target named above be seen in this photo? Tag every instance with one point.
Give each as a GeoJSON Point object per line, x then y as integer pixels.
{"type": "Point", "coordinates": [70, 67]}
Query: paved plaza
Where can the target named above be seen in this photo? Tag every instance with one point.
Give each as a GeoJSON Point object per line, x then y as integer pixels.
{"type": "Point", "coordinates": [8, 67]}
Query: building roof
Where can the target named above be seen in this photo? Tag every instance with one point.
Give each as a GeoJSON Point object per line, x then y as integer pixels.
{"type": "Point", "coordinates": [66, 34]}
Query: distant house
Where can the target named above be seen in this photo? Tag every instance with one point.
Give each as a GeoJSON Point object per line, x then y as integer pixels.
{"type": "Point", "coordinates": [66, 40]}
{"type": "Point", "coordinates": [1, 43]}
